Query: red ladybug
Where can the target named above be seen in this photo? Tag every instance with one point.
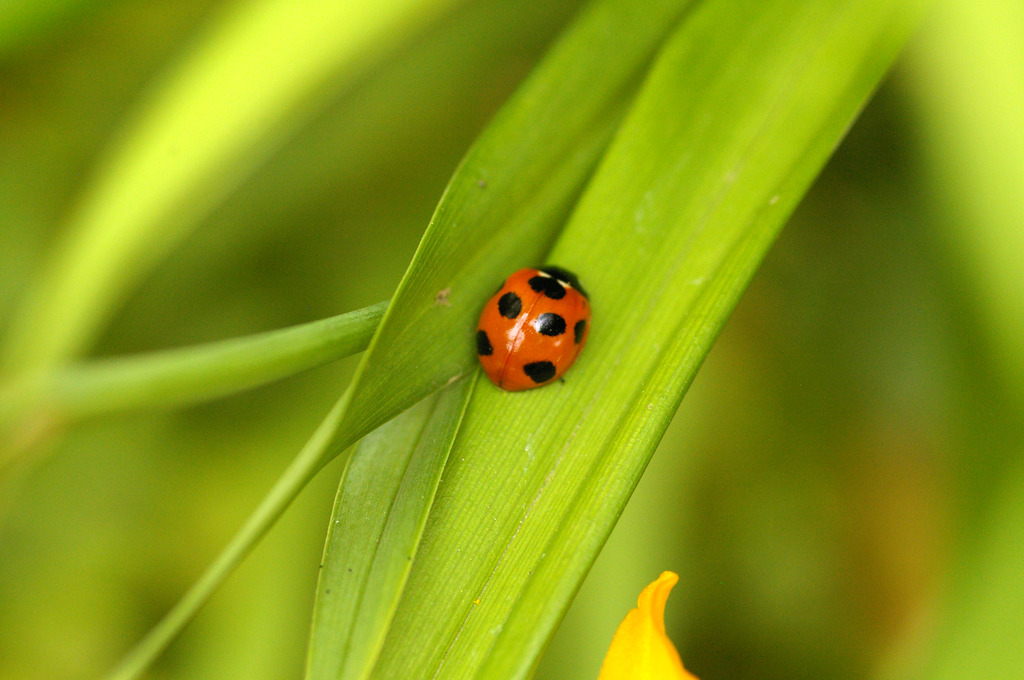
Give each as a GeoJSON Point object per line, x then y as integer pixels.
{"type": "Point", "coordinates": [533, 328]}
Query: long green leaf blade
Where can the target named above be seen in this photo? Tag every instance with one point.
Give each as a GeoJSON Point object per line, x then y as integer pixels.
{"type": "Point", "coordinates": [503, 208]}
{"type": "Point", "coordinates": [270, 509]}
{"type": "Point", "coordinates": [736, 119]}
{"type": "Point", "coordinates": [189, 374]}
{"type": "Point", "coordinates": [378, 519]}
{"type": "Point", "coordinates": [505, 204]}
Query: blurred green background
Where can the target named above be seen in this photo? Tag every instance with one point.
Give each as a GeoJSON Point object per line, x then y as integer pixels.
{"type": "Point", "coordinates": [836, 492]}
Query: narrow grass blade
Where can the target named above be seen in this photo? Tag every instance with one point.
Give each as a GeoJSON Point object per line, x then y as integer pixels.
{"type": "Point", "coordinates": [737, 117]}
{"type": "Point", "coordinates": [502, 209]}
{"type": "Point", "coordinates": [273, 505]}
{"type": "Point", "coordinates": [505, 205]}
{"type": "Point", "coordinates": [378, 519]}
{"type": "Point", "coordinates": [189, 374]}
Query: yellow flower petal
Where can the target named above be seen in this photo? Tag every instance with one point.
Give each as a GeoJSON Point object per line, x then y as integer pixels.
{"type": "Point", "coordinates": [640, 649]}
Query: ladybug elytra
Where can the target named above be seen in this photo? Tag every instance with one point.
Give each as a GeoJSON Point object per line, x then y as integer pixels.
{"type": "Point", "coordinates": [533, 328]}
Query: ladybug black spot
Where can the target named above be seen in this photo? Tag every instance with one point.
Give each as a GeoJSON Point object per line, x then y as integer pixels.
{"type": "Point", "coordinates": [549, 324]}
{"type": "Point", "coordinates": [578, 329]}
{"type": "Point", "coordinates": [509, 305]}
{"type": "Point", "coordinates": [548, 286]}
{"type": "Point", "coordinates": [483, 344]}
{"type": "Point", "coordinates": [540, 371]}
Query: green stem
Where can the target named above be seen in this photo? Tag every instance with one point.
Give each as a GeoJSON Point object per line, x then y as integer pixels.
{"type": "Point", "coordinates": [309, 461]}
{"type": "Point", "coordinates": [186, 375]}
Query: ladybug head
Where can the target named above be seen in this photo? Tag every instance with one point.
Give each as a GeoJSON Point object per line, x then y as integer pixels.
{"type": "Point", "coordinates": [565, 276]}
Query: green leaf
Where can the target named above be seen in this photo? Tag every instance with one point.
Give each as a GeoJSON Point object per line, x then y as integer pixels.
{"type": "Point", "coordinates": [261, 69]}
{"type": "Point", "coordinates": [738, 115]}
{"type": "Point", "coordinates": [505, 205]}
{"type": "Point", "coordinates": [189, 374]}
{"type": "Point", "coordinates": [502, 209]}
{"type": "Point", "coordinates": [378, 519]}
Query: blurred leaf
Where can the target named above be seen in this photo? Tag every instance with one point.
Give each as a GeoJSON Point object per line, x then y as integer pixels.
{"type": "Point", "coordinates": [977, 171]}
{"type": "Point", "coordinates": [260, 69]}
{"type": "Point", "coordinates": [968, 82]}
{"type": "Point", "coordinates": [738, 115]}
{"type": "Point", "coordinates": [378, 520]}
{"type": "Point", "coordinates": [189, 374]}
{"type": "Point", "coordinates": [980, 635]}
{"type": "Point", "coordinates": [502, 209]}
{"type": "Point", "coordinates": [23, 20]}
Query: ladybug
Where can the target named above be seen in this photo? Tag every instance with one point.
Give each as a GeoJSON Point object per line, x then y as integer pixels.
{"type": "Point", "coordinates": [533, 328]}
